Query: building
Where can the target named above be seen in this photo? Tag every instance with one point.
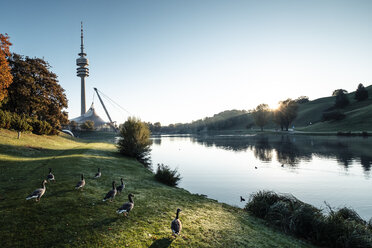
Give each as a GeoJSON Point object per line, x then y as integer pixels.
{"type": "Point", "coordinates": [83, 71]}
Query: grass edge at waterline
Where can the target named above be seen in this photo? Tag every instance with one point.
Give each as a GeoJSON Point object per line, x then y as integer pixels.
{"type": "Point", "coordinates": [340, 228]}
{"type": "Point", "coordinates": [68, 218]}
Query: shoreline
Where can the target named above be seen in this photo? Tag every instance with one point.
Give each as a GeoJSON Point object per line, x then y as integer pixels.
{"type": "Point", "coordinates": [81, 218]}
{"type": "Point", "coordinates": [296, 132]}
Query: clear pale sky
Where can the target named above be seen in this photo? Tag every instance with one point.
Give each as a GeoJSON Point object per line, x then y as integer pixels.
{"type": "Point", "coordinates": [177, 61]}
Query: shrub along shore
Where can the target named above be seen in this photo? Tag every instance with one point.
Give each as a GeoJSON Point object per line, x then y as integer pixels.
{"type": "Point", "coordinates": [340, 228]}
{"type": "Point", "coordinates": [65, 217]}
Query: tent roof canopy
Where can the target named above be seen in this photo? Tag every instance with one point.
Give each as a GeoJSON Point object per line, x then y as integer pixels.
{"type": "Point", "coordinates": [90, 115]}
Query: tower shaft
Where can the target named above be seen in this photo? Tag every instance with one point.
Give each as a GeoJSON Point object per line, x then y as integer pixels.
{"type": "Point", "coordinates": [82, 70]}
{"type": "Point", "coordinates": [83, 106]}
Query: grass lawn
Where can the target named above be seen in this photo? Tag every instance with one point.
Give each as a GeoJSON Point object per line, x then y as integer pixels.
{"type": "Point", "coordinates": [68, 218]}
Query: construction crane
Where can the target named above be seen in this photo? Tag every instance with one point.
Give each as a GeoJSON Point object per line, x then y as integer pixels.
{"type": "Point", "coordinates": [108, 115]}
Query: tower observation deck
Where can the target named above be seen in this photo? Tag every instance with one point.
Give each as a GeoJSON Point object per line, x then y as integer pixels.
{"type": "Point", "coordinates": [82, 71]}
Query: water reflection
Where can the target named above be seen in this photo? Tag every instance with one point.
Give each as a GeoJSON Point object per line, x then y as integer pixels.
{"type": "Point", "coordinates": [156, 141]}
{"type": "Point", "coordinates": [314, 168]}
{"type": "Point", "coordinates": [292, 149]}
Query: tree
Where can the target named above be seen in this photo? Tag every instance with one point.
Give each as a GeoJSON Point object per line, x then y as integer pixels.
{"type": "Point", "coordinates": [286, 113]}
{"type": "Point", "coordinates": [88, 125]}
{"type": "Point", "coordinates": [261, 115]}
{"type": "Point", "coordinates": [278, 118]}
{"type": "Point", "coordinates": [6, 77]}
{"type": "Point", "coordinates": [157, 127]}
{"type": "Point", "coordinates": [73, 125]}
{"type": "Point", "coordinates": [341, 98]}
{"type": "Point", "coordinates": [20, 124]}
{"type": "Point", "coordinates": [135, 140]}
{"type": "Point", "coordinates": [302, 99]}
{"type": "Point", "coordinates": [361, 93]}
{"type": "Point", "coordinates": [339, 91]}
{"type": "Point", "coordinates": [35, 91]}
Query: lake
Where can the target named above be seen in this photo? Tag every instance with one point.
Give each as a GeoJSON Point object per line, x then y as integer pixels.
{"type": "Point", "coordinates": [315, 169]}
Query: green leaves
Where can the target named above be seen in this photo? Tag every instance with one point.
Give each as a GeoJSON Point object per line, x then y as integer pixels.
{"type": "Point", "coordinates": [135, 140]}
{"type": "Point", "coordinates": [35, 91]}
{"type": "Point", "coordinates": [261, 115]}
{"type": "Point", "coordinates": [286, 113]}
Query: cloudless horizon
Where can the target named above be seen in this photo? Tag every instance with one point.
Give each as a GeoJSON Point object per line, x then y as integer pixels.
{"type": "Point", "coordinates": [179, 61]}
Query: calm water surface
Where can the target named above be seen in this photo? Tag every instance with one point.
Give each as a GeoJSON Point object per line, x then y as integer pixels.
{"type": "Point", "coordinates": [312, 168]}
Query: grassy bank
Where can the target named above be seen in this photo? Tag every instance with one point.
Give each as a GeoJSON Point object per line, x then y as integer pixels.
{"type": "Point", "coordinates": [67, 218]}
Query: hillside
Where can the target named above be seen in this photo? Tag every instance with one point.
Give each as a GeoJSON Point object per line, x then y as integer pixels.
{"type": "Point", "coordinates": [358, 115]}
{"type": "Point", "coordinates": [68, 218]}
{"type": "Point", "coordinates": [358, 118]}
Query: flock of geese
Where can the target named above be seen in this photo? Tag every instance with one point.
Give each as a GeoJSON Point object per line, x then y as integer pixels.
{"type": "Point", "coordinates": [176, 225]}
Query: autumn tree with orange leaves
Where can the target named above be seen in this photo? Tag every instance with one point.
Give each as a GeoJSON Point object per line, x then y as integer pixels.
{"type": "Point", "coordinates": [6, 77]}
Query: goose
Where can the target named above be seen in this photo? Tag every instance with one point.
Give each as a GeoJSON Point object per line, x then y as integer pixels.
{"type": "Point", "coordinates": [98, 174]}
{"type": "Point", "coordinates": [81, 183]}
{"type": "Point", "coordinates": [111, 194]}
{"type": "Point", "coordinates": [38, 193]}
{"type": "Point", "coordinates": [241, 199]}
{"type": "Point", "coordinates": [121, 186]}
{"type": "Point", "coordinates": [126, 206]}
{"type": "Point", "coordinates": [176, 224]}
{"type": "Point", "coordinates": [50, 176]}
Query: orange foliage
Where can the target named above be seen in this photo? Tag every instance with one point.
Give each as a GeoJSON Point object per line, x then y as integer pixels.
{"type": "Point", "coordinates": [6, 77]}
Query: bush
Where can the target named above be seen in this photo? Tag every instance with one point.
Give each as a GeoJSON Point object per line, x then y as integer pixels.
{"type": "Point", "coordinates": [335, 231]}
{"type": "Point", "coordinates": [260, 203]}
{"type": "Point", "coordinates": [73, 125]}
{"type": "Point", "coordinates": [279, 214]}
{"type": "Point", "coordinates": [5, 119]}
{"type": "Point", "coordinates": [302, 99]}
{"type": "Point", "coordinates": [333, 116]}
{"type": "Point", "coordinates": [341, 98]}
{"type": "Point", "coordinates": [166, 175]}
{"type": "Point", "coordinates": [135, 140]}
{"type": "Point", "coordinates": [361, 93]}
{"type": "Point", "coordinates": [88, 125]}
{"type": "Point", "coordinates": [304, 221]}
{"type": "Point", "coordinates": [20, 124]}
{"type": "Point", "coordinates": [40, 127]}
{"type": "Point", "coordinates": [341, 228]}
{"type": "Point", "coordinates": [349, 214]}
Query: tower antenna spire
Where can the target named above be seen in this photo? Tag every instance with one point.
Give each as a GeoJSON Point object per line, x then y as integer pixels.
{"type": "Point", "coordinates": [82, 39]}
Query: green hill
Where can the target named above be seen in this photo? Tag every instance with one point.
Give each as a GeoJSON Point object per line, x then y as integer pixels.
{"type": "Point", "coordinates": [358, 118]}
{"type": "Point", "coordinates": [68, 218]}
{"type": "Point", "coordinates": [358, 115]}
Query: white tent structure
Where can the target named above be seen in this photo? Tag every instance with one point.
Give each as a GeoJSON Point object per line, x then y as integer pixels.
{"type": "Point", "coordinates": [91, 115]}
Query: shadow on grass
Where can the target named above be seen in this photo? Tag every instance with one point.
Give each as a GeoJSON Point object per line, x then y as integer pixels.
{"type": "Point", "coordinates": [94, 136]}
{"type": "Point", "coordinates": [161, 243]}
{"type": "Point", "coordinates": [104, 222]}
{"type": "Point", "coordinates": [37, 152]}
{"type": "Point", "coordinates": [62, 192]}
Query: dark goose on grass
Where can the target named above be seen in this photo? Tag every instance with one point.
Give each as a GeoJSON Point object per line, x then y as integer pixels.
{"type": "Point", "coordinates": [50, 176]}
{"type": "Point", "coordinates": [127, 207]}
{"type": "Point", "coordinates": [81, 183]}
{"type": "Point", "coordinates": [121, 186]}
{"type": "Point", "coordinates": [38, 193]}
{"type": "Point", "coordinates": [98, 174]}
{"type": "Point", "coordinates": [176, 224]}
{"type": "Point", "coordinates": [111, 194]}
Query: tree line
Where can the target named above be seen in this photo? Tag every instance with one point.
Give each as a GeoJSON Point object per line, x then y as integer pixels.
{"type": "Point", "coordinates": [31, 98]}
{"type": "Point", "coordinates": [263, 116]}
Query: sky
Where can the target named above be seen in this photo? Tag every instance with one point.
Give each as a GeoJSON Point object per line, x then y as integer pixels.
{"type": "Point", "coordinates": [177, 61]}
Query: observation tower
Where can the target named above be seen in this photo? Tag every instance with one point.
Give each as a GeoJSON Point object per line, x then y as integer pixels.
{"type": "Point", "coordinates": [82, 71]}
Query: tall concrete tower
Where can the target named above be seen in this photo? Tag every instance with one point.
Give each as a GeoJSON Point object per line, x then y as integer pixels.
{"type": "Point", "coordinates": [82, 70]}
